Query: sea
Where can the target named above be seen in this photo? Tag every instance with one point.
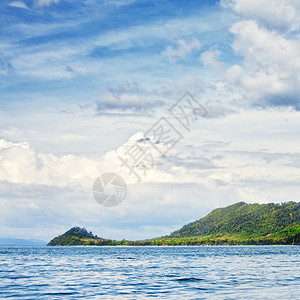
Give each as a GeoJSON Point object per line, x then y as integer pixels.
{"type": "Point", "coordinates": [217, 272]}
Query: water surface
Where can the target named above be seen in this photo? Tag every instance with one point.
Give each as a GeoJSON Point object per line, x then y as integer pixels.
{"type": "Point", "coordinates": [253, 272]}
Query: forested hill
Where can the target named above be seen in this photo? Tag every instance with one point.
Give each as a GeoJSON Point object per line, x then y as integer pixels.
{"type": "Point", "coordinates": [77, 236]}
{"type": "Point", "coordinates": [237, 224]}
{"type": "Point", "coordinates": [245, 220]}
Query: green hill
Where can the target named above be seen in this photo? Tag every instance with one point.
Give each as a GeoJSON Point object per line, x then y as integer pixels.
{"type": "Point", "coordinates": [247, 223]}
{"type": "Point", "coordinates": [247, 219]}
{"type": "Point", "coordinates": [78, 236]}
{"type": "Point", "coordinates": [236, 224]}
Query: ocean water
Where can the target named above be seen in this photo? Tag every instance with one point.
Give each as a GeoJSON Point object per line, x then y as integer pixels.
{"type": "Point", "coordinates": [254, 272]}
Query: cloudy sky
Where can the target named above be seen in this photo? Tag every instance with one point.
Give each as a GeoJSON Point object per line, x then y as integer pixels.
{"type": "Point", "coordinates": [82, 82]}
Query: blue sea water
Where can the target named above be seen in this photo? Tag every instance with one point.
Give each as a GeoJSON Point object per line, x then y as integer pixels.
{"type": "Point", "coordinates": [253, 272]}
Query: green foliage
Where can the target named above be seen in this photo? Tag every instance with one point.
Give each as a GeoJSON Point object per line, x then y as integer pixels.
{"type": "Point", "coordinates": [237, 224]}
{"type": "Point", "coordinates": [248, 220]}
{"type": "Point", "coordinates": [76, 236]}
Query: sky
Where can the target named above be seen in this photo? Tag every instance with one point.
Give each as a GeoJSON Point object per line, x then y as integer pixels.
{"type": "Point", "coordinates": [82, 82]}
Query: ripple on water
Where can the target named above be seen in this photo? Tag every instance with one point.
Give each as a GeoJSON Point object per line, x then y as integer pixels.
{"type": "Point", "coordinates": [264, 272]}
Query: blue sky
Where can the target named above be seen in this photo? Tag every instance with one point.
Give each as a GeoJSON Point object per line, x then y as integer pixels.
{"type": "Point", "coordinates": [73, 53]}
{"type": "Point", "coordinates": [79, 79]}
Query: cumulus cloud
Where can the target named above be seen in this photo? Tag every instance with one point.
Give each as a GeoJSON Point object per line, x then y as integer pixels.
{"type": "Point", "coordinates": [265, 39]}
{"type": "Point", "coordinates": [270, 71]}
{"type": "Point", "coordinates": [47, 189]}
{"type": "Point", "coordinates": [211, 59]}
{"type": "Point", "coordinates": [279, 14]}
{"type": "Point", "coordinates": [20, 163]}
{"type": "Point", "coordinates": [183, 49]}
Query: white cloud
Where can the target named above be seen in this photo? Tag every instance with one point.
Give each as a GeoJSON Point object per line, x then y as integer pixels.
{"type": "Point", "coordinates": [211, 59]}
{"type": "Point", "coordinates": [266, 40]}
{"type": "Point", "coordinates": [280, 14]}
{"type": "Point", "coordinates": [19, 4]}
{"type": "Point", "coordinates": [182, 50]}
{"type": "Point", "coordinates": [20, 163]}
{"type": "Point", "coordinates": [270, 71]}
{"type": "Point", "coordinates": [218, 163]}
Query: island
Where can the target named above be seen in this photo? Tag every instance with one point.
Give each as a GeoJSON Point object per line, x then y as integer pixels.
{"type": "Point", "coordinates": [237, 224]}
